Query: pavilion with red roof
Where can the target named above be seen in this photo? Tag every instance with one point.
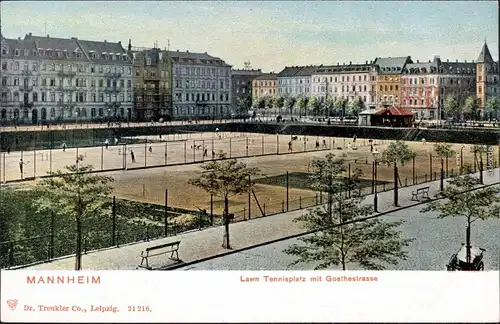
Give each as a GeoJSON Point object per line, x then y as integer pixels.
{"type": "Point", "coordinates": [388, 116]}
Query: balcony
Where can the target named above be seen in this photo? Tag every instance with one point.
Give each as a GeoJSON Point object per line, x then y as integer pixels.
{"type": "Point", "coordinates": [67, 74]}
{"type": "Point", "coordinates": [68, 88]}
{"type": "Point", "coordinates": [113, 75]}
{"type": "Point", "coordinates": [26, 88]}
{"type": "Point", "coordinates": [112, 104]}
{"type": "Point", "coordinates": [112, 89]}
{"type": "Point", "coordinates": [26, 72]}
{"type": "Point", "coordinates": [70, 104]}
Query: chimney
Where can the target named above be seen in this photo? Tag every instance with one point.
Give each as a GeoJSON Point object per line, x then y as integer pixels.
{"type": "Point", "coordinates": [366, 62]}
{"type": "Point", "coordinates": [120, 42]}
{"type": "Point", "coordinates": [457, 61]}
{"type": "Point", "coordinates": [472, 61]}
{"type": "Point", "coordinates": [30, 34]}
{"type": "Point", "coordinates": [343, 63]}
{"type": "Point", "coordinates": [418, 61]}
{"type": "Point", "coordinates": [187, 51]}
{"type": "Point", "coordinates": [447, 61]}
{"type": "Point", "coordinates": [429, 61]}
{"type": "Point", "coordinates": [465, 61]}
{"type": "Point", "coordinates": [19, 38]}
{"type": "Point", "coordinates": [338, 63]}
{"type": "Point", "coordinates": [350, 62]}
{"type": "Point", "coordinates": [129, 44]}
{"type": "Point", "coordinates": [105, 41]}
{"type": "Point", "coordinates": [48, 36]}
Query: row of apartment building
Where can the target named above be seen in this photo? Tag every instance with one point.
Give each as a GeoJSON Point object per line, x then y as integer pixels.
{"type": "Point", "coordinates": [420, 87]}
{"type": "Point", "coordinates": [45, 78]}
{"type": "Point", "coordinates": [48, 79]}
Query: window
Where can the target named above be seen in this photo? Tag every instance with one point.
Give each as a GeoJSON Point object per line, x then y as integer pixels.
{"type": "Point", "coordinates": [52, 96]}
{"type": "Point", "coordinates": [35, 96]}
{"type": "Point", "coordinates": [129, 83]}
{"type": "Point", "coordinates": [100, 83]}
{"type": "Point", "coordinates": [16, 66]}
{"type": "Point", "coordinates": [17, 52]}
{"type": "Point", "coordinates": [396, 87]}
{"type": "Point", "coordinates": [4, 66]}
{"type": "Point", "coordinates": [16, 81]}
{"type": "Point", "coordinates": [122, 83]}
{"type": "Point", "coordinates": [4, 81]}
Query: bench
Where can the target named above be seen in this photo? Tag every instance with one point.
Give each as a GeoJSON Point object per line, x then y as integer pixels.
{"type": "Point", "coordinates": [172, 248]}
{"type": "Point", "coordinates": [424, 192]}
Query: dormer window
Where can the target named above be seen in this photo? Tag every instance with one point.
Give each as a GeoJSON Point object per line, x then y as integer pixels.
{"type": "Point", "coordinates": [35, 53]}
{"type": "Point", "coordinates": [4, 51]}
{"type": "Point", "coordinates": [148, 60]}
{"type": "Point", "coordinates": [41, 52]}
{"type": "Point", "coordinates": [58, 53]}
{"type": "Point", "coordinates": [16, 52]}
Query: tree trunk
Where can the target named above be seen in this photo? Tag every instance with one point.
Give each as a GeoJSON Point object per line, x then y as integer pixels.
{"type": "Point", "coordinates": [467, 241]}
{"type": "Point", "coordinates": [78, 254]}
{"type": "Point", "coordinates": [225, 242]}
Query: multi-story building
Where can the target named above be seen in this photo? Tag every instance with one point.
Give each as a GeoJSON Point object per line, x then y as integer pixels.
{"type": "Point", "coordinates": [388, 79]}
{"type": "Point", "coordinates": [488, 83]}
{"type": "Point", "coordinates": [47, 79]}
{"type": "Point", "coordinates": [242, 87]}
{"type": "Point", "coordinates": [201, 85]}
{"type": "Point", "coordinates": [295, 81]}
{"type": "Point", "coordinates": [346, 81]}
{"type": "Point", "coordinates": [425, 86]}
{"type": "Point", "coordinates": [457, 79]}
{"type": "Point", "coordinates": [152, 79]}
{"type": "Point", "coordinates": [420, 88]}
{"type": "Point", "coordinates": [264, 85]}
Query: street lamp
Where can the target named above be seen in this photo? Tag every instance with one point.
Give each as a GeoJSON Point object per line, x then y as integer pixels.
{"type": "Point", "coordinates": [375, 197]}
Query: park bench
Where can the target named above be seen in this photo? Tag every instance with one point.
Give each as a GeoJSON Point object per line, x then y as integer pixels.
{"type": "Point", "coordinates": [424, 192]}
{"type": "Point", "coordinates": [172, 248]}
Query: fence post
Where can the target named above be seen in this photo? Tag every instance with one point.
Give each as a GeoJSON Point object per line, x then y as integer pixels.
{"type": "Point", "coordinates": [230, 148]}
{"type": "Point", "coordinates": [249, 199]}
{"type": "Point", "coordinates": [113, 239]}
{"type": "Point", "coordinates": [300, 202]}
{"type": "Point", "coordinates": [282, 206]}
{"type": "Point", "coordinates": [287, 191]}
{"type": "Point", "coordinates": [146, 153]}
{"type": "Point", "coordinates": [147, 233]}
{"type": "Point", "coordinates": [425, 176]}
{"type": "Point", "coordinates": [185, 153]}
{"type": "Point", "coordinates": [406, 181]}
{"type": "Point", "coordinates": [102, 158]}
{"type": "Point", "coordinates": [247, 145]}
{"type": "Point", "coordinates": [316, 198]}
{"type": "Point", "coordinates": [262, 145]}
{"type": "Point", "coordinates": [430, 166]}
{"type": "Point", "coordinates": [166, 213]}
{"type": "Point", "coordinates": [413, 170]}
{"type": "Point", "coordinates": [277, 144]}
{"type": "Point", "coordinates": [264, 209]}
{"type": "Point", "coordinates": [52, 233]}
{"type": "Point", "coordinates": [22, 169]}
{"type": "Point", "coordinates": [34, 163]}
{"type": "Point", "coordinates": [211, 209]}
{"type": "Point", "coordinates": [166, 154]}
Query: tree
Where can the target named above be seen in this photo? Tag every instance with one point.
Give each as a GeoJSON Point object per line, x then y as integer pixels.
{"type": "Point", "coordinates": [356, 106]}
{"type": "Point", "coordinates": [75, 192]}
{"type": "Point", "coordinates": [302, 104]}
{"type": "Point", "coordinates": [244, 103]}
{"type": "Point", "coordinates": [314, 105]}
{"type": "Point", "coordinates": [279, 102]}
{"type": "Point", "coordinates": [225, 178]}
{"type": "Point", "coordinates": [461, 200]}
{"type": "Point", "coordinates": [471, 107]}
{"type": "Point", "coordinates": [340, 106]}
{"type": "Point", "coordinates": [451, 107]}
{"type": "Point", "coordinates": [397, 152]}
{"type": "Point", "coordinates": [341, 235]}
{"type": "Point", "coordinates": [329, 105]}
{"type": "Point", "coordinates": [493, 107]}
{"type": "Point", "coordinates": [444, 150]}
{"type": "Point", "coordinates": [289, 102]}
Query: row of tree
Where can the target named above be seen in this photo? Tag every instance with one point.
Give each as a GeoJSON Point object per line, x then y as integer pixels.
{"type": "Point", "coordinates": [470, 109]}
{"type": "Point", "coordinates": [304, 106]}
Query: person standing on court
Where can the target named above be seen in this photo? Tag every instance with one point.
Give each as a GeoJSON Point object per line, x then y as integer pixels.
{"type": "Point", "coordinates": [64, 147]}
{"type": "Point", "coordinates": [106, 143]}
{"type": "Point", "coordinates": [290, 146]}
{"type": "Point", "coordinates": [21, 165]}
{"type": "Point", "coordinates": [150, 149]}
{"type": "Point", "coordinates": [132, 156]}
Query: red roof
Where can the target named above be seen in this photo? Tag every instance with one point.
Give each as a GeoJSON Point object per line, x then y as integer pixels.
{"type": "Point", "coordinates": [394, 111]}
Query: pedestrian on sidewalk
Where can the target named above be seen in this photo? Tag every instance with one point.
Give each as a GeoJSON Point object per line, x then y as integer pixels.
{"type": "Point", "coordinates": [290, 146]}
{"type": "Point", "coordinates": [106, 143]}
{"type": "Point", "coordinates": [317, 144]}
{"type": "Point", "coordinates": [150, 149]}
{"type": "Point", "coordinates": [64, 147]}
{"type": "Point", "coordinates": [205, 152]}
{"type": "Point", "coordinates": [132, 156]}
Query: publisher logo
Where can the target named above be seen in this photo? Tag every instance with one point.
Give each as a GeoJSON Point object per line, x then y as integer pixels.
{"type": "Point", "coordinates": [12, 303]}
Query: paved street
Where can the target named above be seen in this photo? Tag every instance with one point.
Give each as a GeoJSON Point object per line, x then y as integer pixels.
{"type": "Point", "coordinates": [436, 240]}
{"type": "Point", "coordinates": [196, 245]}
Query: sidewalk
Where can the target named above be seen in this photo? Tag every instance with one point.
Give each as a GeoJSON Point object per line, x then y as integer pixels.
{"type": "Point", "coordinates": [196, 245]}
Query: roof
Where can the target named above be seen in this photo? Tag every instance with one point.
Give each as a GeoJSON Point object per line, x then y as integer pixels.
{"type": "Point", "coordinates": [188, 57]}
{"type": "Point", "coordinates": [458, 67]}
{"type": "Point", "coordinates": [19, 44]}
{"type": "Point", "coordinates": [393, 111]}
{"type": "Point", "coordinates": [485, 55]}
{"type": "Point", "coordinates": [351, 68]}
{"type": "Point", "coordinates": [422, 67]}
{"type": "Point", "coordinates": [155, 54]}
{"type": "Point", "coordinates": [102, 47]}
{"type": "Point", "coordinates": [306, 71]}
{"type": "Point", "coordinates": [267, 76]}
{"type": "Point", "coordinates": [68, 44]}
{"type": "Point", "coordinates": [371, 111]}
{"type": "Point", "coordinates": [391, 65]}
{"type": "Point", "coordinates": [289, 71]}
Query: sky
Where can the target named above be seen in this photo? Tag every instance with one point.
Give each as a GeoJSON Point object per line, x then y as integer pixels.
{"type": "Point", "coordinates": [271, 34]}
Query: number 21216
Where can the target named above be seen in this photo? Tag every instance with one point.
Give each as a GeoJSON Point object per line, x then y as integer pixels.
{"type": "Point", "coordinates": [139, 309]}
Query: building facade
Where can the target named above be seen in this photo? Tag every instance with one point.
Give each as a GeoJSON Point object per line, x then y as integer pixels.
{"type": "Point", "coordinates": [152, 76]}
{"type": "Point", "coordinates": [487, 78]}
{"type": "Point", "coordinates": [387, 73]}
{"type": "Point", "coordinates": [56, 79]}
{"type": "Point", "coordinates": [420, 88]}
{"type": "Point", "coordinates": [346, 81]}
{"type": "Point", "coordinates": [241, 84]}
{"type": "Point", "coordinates": [201, 86]}
{"type": "Point", "coordinates": [264, 85]}
{"type": "Point", "coordinates": [457, 79]}
{"type": "Point", "coordinates": [295, 81]}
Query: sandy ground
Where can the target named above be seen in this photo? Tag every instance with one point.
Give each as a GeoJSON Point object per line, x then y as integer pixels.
{"type": "Point", "coordinates": [149, 185]}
